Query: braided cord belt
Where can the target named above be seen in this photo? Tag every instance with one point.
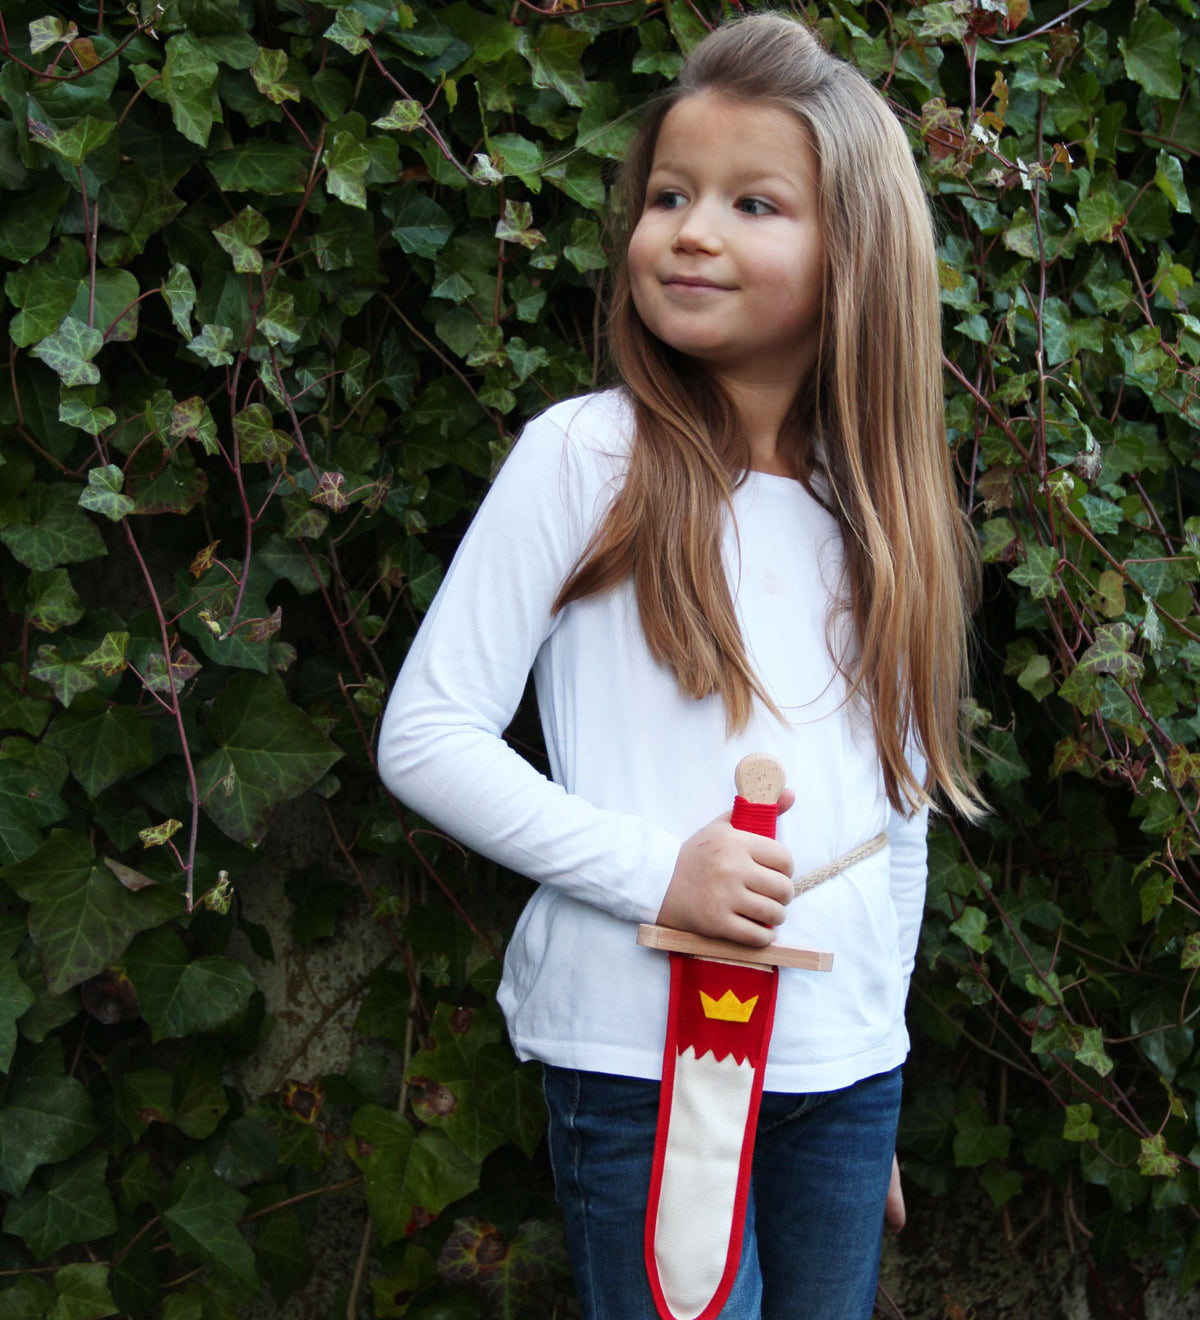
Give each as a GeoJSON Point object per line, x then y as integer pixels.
{"type": "Point", "coordinates": [839, 864]}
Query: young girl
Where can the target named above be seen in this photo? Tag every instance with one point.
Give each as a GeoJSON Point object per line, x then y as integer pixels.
{"type": "Point", "coordinates": [750, 544]}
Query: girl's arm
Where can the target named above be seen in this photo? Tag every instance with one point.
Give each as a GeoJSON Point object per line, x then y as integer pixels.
{"type": "Point", "coordinates": [441, 749]}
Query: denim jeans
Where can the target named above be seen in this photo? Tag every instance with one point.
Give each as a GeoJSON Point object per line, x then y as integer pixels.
{"type": "Point", "coordinates": [814, 1221]}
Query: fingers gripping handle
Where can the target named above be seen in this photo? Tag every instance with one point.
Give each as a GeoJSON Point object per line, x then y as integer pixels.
{"type": "Point", "coordinates": [759, 779]}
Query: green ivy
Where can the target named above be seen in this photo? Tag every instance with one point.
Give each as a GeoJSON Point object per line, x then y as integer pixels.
{"type": "Point", "coordinates": [281, 282]}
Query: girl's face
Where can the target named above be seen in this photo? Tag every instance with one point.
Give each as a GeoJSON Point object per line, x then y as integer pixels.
{"type": "Point", "coordinates": [726, 260]}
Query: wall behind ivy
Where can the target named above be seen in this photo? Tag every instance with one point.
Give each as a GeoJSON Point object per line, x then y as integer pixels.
{"type": "Point", "coordinates": [281, 281]}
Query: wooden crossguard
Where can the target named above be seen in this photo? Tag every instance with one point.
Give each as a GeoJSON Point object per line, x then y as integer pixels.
{"type": "Point", "coordinates": [718, 1032]}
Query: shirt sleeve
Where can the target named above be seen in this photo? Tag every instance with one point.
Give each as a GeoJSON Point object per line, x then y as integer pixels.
{"type": "Point", "coordinates": [441, 749]}
{"type": "Point", "coordinates": [907, 836]}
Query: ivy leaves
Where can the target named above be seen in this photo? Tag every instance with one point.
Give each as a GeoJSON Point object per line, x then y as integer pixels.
{"type": "Point", "coordinates": [280, 288]}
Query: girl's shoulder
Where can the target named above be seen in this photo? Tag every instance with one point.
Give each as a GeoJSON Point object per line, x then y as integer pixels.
{"type": "Point", "coordinates": [592, 433]}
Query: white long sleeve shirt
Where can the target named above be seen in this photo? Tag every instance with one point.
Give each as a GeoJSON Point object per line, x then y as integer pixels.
{"type": "Point", "coordinates": [637, 767]}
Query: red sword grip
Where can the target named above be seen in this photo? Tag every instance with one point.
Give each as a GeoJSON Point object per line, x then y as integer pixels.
{"type": "Point", "coordinates": [760, 779]}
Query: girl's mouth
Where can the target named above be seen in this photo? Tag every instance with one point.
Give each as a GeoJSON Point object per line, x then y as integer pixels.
{"type": "Point", "coordinates": [693, 282]}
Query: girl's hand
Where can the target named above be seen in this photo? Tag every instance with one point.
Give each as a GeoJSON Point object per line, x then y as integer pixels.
{"type": "Point", "coordinates": [894, 1214]}
{"type": "Point", "coordinates": [730, 884]}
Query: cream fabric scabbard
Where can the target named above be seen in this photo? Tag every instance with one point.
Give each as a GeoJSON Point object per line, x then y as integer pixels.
{"type": "Point", "coordinates": [720, 1020]}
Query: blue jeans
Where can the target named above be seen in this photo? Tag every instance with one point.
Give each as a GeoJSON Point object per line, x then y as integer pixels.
{"type": "Point", "coordinates": [814, 1221]}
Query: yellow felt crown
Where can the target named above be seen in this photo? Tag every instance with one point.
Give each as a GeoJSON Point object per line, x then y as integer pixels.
{"type": "Point", "coordinates": [729, 1008]}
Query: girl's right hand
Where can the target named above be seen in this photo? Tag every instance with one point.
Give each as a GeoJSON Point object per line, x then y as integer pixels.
{"type": "Point", "coordinates": [730, 884]}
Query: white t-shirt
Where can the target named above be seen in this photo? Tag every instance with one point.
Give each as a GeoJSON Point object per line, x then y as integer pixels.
{"type": "Point", "coordinates": [637, 767]}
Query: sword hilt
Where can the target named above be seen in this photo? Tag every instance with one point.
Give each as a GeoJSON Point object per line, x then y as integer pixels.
{"type": "Point", "coordinates": [759, 779]}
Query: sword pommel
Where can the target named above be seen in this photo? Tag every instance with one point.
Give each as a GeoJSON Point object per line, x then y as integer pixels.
{"type": "Point", "coordinates": [759, 778]}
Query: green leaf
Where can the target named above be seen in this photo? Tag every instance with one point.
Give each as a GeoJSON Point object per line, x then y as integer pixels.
{"type": "Point", "coordinates": [31, 778]}
{"type": "Point", "coordinates": [1155, 1160]}
{"type": "Point", "coordinates": [1001, 1184]}
{"type": "Point", "coordinates": [75, 143]}
{"type": "Point", "coordinates": [515, 155]}
{"type": "Point", "coordinates": [585, 250]}
{"type": "Point", "coordinates": [44, 1119]}
{"type": "Point", "coordinates": [191, 419]}
{"type": "Point", "coordinates": [524, 360]}
{"type": "Point", "coordinates": [971, 928]}
{"type": "Point", "coordinates": [1039, 572]}
{"type": "Point", "coordinates": [103, 493]}
{"type": "Point", "coordinates": [51, 601]}
{"type": "Point", "coordinates": [606, 125]}
{"type": "Point", "coordinates": [262, 166]}
{"type": "Point", "coordinates": [1151, 53]}
{"type": "Point", "coordinates": [978, 1141]}
{"type": "Point", "coordinates": [28, 1299]}
{"type": "Point", "coordinates": [44, 291]}
{"type": "Point", "coordinates": [1110, 654]}
{"type": "Point", "coordinates": [1168, 176]}
{"type": "Point", "coordinates": [109, 303]}
{"type": "Point", "coordinates": [281, 1250]}
{"type": "Point", "coordinates": [687, 27]}
{"type": "Point", "coordinates": [419, 224]}
{"type": "Point", "coordinates": [189, 80]}
{"type": "Point", "coordinates": [58, 532]}
{"type": "Point", "coordinates": [1100, 217]}
{"type": "Point", "coordinates": [74, 1206]}
{"type": "Point", "coordinates": [25, 229]}
{"type": "Point", "coordinates": [515, 225]}
{"type": "Point", "coordinates": [277, 319]}
{"type": "Point", "coordinates": [467, 1085]}
{"type": "Point", "coordinates": [83, 1293]}
{"type": "Point", "coordinates": [179, 997]}
{"type": "Point", "coordinates": [1003, 762]}
{"type": "Point", "coordinates": [657, 55]}
{"type": "Point", "coordinates": [103, 743]}
{"type": "Point", "coordinates": [554, 53]}
{"type": "Point", "coordinates": [81, 917]}
{"type": "Point", "coordinates": [346, 163]}
{"type": "Point", "coordinates": [241, 236]}
{"type": "Point", "coordinates": [15, 998]}
{"type": "Point", "coordinates": [67, 677]}
{"type": "Point", "coordinates": [409, 1180]}
{"type": "Point", "coordinates": [200, 1098]}
{"type": "Point", "coordinates": [258, 440]}
{"type": "Point", "coordinates": [1035, 677]}
{"type": "Point", "coordinates": [581, 180]}
{"type": "Point", "coordinates": [510, 1274]}
{"type": "Point", "coordinates": [69, 352]}
{"type": "Point", "coordinates": [180, 292]}
{"type": "Point", "coordinates": [1090, 1051]}
{"type": "Point", "coordinates": [402, 116]}
{"type": "Point", "coordinates": [78, 408]}
{"type": "Point", "coordinates": [272, 749]}
{"type": "Point", "coordinates": [269, 71]}
{"type": "Point", "coordinates": [49, 31]}
{"type": "Point", "coordinates": [288, 561]}
{"type": "Point", "coordinates": [1078, 1125]}
{"type": "Point", "coordinates": [202, 1220]}
{"type": "Point", "coordinates": [213, 345]}
{"type": "Point", "coordinates": [347, 30]}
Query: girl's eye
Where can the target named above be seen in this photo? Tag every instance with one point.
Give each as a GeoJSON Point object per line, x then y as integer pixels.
{"type": "Point", "coordinates": [755, 206]}
{"type": "Point", "coordinates": [668, 199]}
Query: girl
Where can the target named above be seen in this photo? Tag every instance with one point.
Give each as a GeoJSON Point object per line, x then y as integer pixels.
{"type": "Point", "coordinates": [750, 544]}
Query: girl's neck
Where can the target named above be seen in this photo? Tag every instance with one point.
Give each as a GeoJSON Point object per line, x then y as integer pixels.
{"type": "Point", "coordinates": [762, 409]}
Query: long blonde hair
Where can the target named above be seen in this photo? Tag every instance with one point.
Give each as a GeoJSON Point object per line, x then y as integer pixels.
{"type": "Point", "coordinates": [871, 416]}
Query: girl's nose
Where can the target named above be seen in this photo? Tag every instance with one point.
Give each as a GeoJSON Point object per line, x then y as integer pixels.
{"type": "Point", "coordinates": [698, 230]}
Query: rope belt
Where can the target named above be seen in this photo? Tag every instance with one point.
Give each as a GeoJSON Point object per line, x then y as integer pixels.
{"type": "Point", "coordinates": [839, 864]}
